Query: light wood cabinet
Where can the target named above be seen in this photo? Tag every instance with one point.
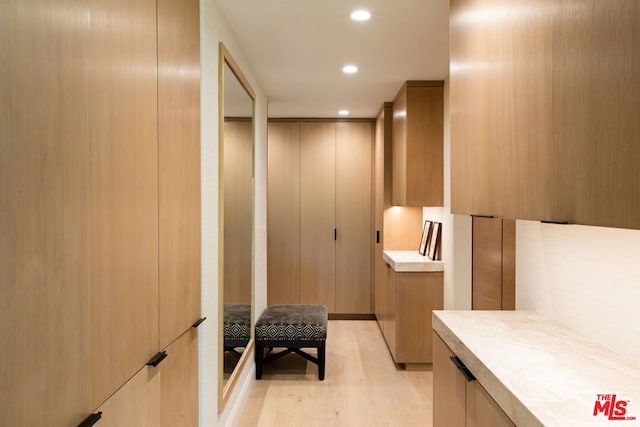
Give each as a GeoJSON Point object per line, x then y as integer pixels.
{"type": "Point", "coordinates": [283, 205]}
{"type": "Point", "coordinates": [410, 298]}
{"type": "Point", "coordinates": [493, 274]}
{"type": "Point", "coordinates": [551, 135]}
{"type": "Point", "coordinates": [458, 402]}
{"type": "Point", "coordinates": [179, 382]}
{"type": "Point", "coordinates": [418, 144]}
{"type": "Point", "coordinates": [318, 214]}
{"type": "Point", "coordinates": [319, 200]}
{"type": "Point", "coordinates": [395, 228]}
{"type": "Point", "coordinates": [100, 250]}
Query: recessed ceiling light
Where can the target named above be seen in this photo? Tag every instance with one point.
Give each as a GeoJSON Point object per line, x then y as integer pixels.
{"type": "Point", "coordinates": [360, 15]}
{"type": "Point", "coordinates": [343, 112]}
{"type": "Point", "coordinates": [350, 69]}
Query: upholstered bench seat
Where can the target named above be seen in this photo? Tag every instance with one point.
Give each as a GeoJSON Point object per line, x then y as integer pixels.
{"type": "Point", "coordinates": [293, 327]}
{"type": "Point", "coordinates": [237, 326]}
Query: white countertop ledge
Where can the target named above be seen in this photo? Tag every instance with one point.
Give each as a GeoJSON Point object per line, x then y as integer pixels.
{"type": "Point", "coordinates": [411, 261]}
{"type": "Point", "coordinates": [540, 373]}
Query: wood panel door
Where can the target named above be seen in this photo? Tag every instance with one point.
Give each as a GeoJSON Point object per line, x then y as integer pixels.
{"type": "Point", "coordinates": [317, 214]}
{"type": "Point", "coordinates": [449, 387]}
{"type": "Point", "coordinates": [45, 224]}
{"type": "Point", "coordinates": [482, 410]}
{"type": "Point", "coordinates": [179, 382]}
{"type": "Point", "coordinates": [493, 264]}
{"type": "Point", "coordinates": [179, 167]}
{"type": "Point", "coordinates": [123, 193]}
{"type": "Point", "coordinates": [238, 210]}
{"type": "Point", "coordinates": [137, 403]}
{"type": "Point", "coordinates": [283, 220]}
{"type": "Point", "coordinates": [382, 135]}
{"type": "Point", "coordinates": [354, 141]}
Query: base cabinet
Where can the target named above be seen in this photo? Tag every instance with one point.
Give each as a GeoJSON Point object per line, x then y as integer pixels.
{"type": "Point", "coordinates": [458, 402]}
{"type": "Point", "coordinates": [406, 325]}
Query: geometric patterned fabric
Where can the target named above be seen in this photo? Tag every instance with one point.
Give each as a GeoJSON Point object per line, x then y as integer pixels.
{"type": "Point", "coordinates": [293, 322]}
{"type": "Point", "coordinates": [237, 321]}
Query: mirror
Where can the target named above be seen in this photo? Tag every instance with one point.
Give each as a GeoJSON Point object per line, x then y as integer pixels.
{"type": "Point", "coordinates": [236, 196]}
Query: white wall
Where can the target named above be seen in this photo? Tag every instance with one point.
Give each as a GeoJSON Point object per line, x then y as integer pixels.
{"type": "Point", "coordinates": [214, 29]}
{"type": "Point", "coordinates": [586, 278]}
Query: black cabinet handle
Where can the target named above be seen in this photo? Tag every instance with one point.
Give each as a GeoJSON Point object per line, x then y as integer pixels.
{"type": "Point", "coordinates": [335, 234]}
{"type": "Point", "coordinates": [377, 236]}
{"type": "Point", "coordinates": [91, 420]}
{"type": "Point", "coordinates": [155, 360]}
{"type": "Point", "coordinates": [463, 369]}
{"type": "Point", "coordinates": [198, 322]}
{"type": "Point", "coordinates": [555, 222]}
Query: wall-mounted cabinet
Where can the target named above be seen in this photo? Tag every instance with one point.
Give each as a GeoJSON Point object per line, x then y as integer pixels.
{"type": "Point", "coordinates": [418, 123]}
{"type": "Point", "coordinates": [319, 230]}
{"type": "Point", "coordinates": [549, 131]}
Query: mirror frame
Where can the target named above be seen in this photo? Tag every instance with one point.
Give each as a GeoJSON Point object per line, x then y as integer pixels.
{"type": "Point", "coordinates": [224, 390]}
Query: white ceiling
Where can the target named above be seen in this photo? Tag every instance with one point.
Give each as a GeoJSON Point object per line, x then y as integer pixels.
{"type": "Point", "coordinates": [298, 47]}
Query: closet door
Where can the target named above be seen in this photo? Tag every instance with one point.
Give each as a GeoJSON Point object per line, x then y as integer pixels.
{"type": "Point", "coordinates": [283, 221]}
{"type": "Point", "coordinates": [354, 142]}
{"type": "Point", "coordinates": [179, 167]}
{"type": "Point", "coordinates": [317, 213]}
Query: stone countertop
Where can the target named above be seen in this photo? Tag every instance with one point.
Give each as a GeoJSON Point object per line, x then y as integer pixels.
{"type": "Point", "coordinates": [540, 373]}
{"type": "Point", "coordinates": [411, 261]}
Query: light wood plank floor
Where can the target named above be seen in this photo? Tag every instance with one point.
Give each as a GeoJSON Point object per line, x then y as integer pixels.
{"type": "Point", "coordinates": [362, 386]}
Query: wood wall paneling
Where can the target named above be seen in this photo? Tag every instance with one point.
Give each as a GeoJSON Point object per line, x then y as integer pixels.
{"type": "Point", "coordinates": [482, 410]}
{"type": "Point", "coordinates": [317, 213]}
{"type": "Point", "coordinates": [543, 110]}
{"type": "Point", "coordinates": [179, 382]}
{"type": "Point", "coordinates": [283, 205]}
{"type": "Point", "coordinates": [382, 125]}
{"type": "Point", "coordinates": [238, 211]}
{"type": "Point", "coordinates": [137, 403]}
{"type": "Point", "coordinates": [449, 387]}
{"type": "Point", "coordinates": [179, 166]}
{"type": "Point", "coordinates": [354, 143]}
{"type": "Point", "coordinates": [399, 150]}
{"type": "Point", "coordinates": [44, 218]}
{"type": "Point", "coordinates": [508, 264]}
{"type": "Point", "coordinates": [417, 294]}
{"type": "Point", "coordinates": [123, 193]}
{"type": "Point", "coordinates": [487, 264]}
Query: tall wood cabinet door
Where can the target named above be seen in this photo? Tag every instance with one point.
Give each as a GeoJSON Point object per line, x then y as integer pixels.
{"type": "Point", "coordinates": [137, 403]}
{"type": "Point", "coordinates": [44, 219]}
{"type": "Point", "coordinates": [179, 382]}
{"type": "Point", "coordinates": [123, 193]}
{"type": "Point", "coordinates": [390, 314]}
{"type": "Point", "coordinates": [449, 388]}
{"type": "Point", "coordinates": [384, 117]}
{"type": "Point", "coordinates": [283, 221]}
{"type": "Point", "coordinates": [238, 210]}
{"type": "Point", "coordinates": [354, 141]}
{"type": "Point", "coordinates": [317, 214]}
{"type": "Point", "coordinates": [487, 263]}
{"type": "Point", "coordinates": [179, 167]}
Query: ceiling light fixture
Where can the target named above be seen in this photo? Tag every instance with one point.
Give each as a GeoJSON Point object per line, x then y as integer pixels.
{"type": "Point", "coordinates": [343, 112]}
{"type": "Point", "coordinates": [360, 15]}
{"type": "Point", "coordinates": [350, 69]}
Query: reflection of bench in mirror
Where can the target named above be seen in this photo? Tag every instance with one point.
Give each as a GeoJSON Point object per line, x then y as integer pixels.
{"type": "Point", "coordinates": [237, 327]}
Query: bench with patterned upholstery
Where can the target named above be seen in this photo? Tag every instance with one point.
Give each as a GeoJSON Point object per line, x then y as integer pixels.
{"type": "Point", "coordinates": [237, 326]}
{"type": "Point", "coordinates": [293, 327]}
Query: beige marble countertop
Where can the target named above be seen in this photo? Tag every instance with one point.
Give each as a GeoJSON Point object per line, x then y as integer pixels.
{"type": "Point", "coordinates": [539, 372]}
{"type": "Point", "coordinates": [411, 261]}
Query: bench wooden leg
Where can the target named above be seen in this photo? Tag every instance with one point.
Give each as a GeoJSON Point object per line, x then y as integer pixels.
{"type": "Point", "coordinates": [259, 354]}
{"type": "Point", "coordinates": [321, 359]}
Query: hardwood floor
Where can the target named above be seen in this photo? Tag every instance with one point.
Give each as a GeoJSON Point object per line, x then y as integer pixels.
{"type": "Point", "coordinates": [362, 387]}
